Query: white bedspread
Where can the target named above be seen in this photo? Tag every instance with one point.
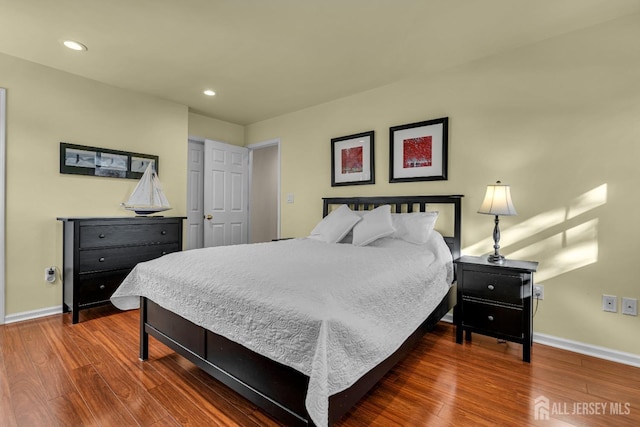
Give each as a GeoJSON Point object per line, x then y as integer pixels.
{"type": "Point", "coordinates": [331, 311]}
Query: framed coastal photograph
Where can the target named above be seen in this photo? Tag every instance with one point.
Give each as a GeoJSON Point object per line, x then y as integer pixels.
{"type": "Point", "coordinates": [109, 164]}
{"type": "Point", "coordinates": [85, 160]}
{"type": "Point", "coordinates": [419, 151]}
{"type": "Point", "coordinates": [139, 164]}
{"type": "Point", "coordinates": [352, 160]}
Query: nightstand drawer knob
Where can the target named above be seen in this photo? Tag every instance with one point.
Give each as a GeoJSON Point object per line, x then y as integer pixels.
{"type": "Point", "coordinates": [101, 235]}
{"type": "Point", "coordinates": [102, 287]}
{"type": "Point", "coordinates": [101, 259]}
{"type": "Point", "coordinates": [163, 232]}
{"type": "Point", "coordinates": [491, 287]}
{"type": "Point", "coordinates": [490, 318]}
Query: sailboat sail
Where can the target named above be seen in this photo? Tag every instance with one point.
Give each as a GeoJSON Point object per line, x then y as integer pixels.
{"type": "Point", "coordinates": [147, 197]}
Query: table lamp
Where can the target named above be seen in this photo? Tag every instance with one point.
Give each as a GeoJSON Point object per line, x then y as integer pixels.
{"type": "Point", "coordinates": [497, 201]}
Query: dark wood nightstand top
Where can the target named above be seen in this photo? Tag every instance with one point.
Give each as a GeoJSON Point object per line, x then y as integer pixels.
{"type": "Point", "coordinates": [510, 264]}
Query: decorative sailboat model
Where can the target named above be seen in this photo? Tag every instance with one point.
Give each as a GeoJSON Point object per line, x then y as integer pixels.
{"type": "Point", "coordinates": [147, 198]}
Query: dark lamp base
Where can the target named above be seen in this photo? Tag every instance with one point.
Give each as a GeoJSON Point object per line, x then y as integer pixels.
{"type": "Point", "coordinates": [496, 259]}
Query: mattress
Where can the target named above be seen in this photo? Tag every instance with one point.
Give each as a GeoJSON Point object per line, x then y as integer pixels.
{"type": "Point", "coordinates": [330, 311]}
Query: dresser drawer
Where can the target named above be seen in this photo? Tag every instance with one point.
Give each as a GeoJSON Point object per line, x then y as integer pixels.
{"type": "Point", "coordinates": [92, 260]}
{"type": "Point", "coordinates": [100, 236]}
{"type": "Point", "coordinates": [500, 287]}
{"type": "Point", "coordinates": [98, 288]}
{"type": "Point", "coordinates": [493, 318]}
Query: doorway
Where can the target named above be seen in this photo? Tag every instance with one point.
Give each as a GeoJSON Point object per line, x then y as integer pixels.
{"type": "Point", "coordinates": [264, 192]}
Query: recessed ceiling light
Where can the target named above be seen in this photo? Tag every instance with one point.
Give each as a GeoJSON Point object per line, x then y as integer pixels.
{"type": "Point", "coordinates": [74, 45]}
{"type": "Point", "coordinates": [209, 92]}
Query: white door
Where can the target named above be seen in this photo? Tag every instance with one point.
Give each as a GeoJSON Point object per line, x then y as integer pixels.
{"type": "Point", "coordinates": [226, 189]}
{"type": "Point", "coordinates": [195, 195]}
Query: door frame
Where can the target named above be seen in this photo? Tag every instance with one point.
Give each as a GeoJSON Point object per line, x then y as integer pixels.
{"type": "Point", "coordinates": [3, 148]}
{"type": "Point", "coordinates": [256, 146]}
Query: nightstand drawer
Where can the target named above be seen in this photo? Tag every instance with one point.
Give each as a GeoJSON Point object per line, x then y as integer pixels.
{"type": "Point", "coordinates": [493, 318]}
{"type": "Point", "coordinates": [99, 236]}
{"type": "Point", "coordinates": [92, 260]}
{"type": "Point", "coordinates": [500, 287]}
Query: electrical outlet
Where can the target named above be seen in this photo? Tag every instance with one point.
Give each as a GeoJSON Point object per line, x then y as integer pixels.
{"type": "Point", "coordinates": [630, 306]}
{"type": "Point", "coordinates": [610, 303]}
{"type": "Point", "coordinates": [538, 291]}
{"type": "Point", "coordinates": [50, 274]}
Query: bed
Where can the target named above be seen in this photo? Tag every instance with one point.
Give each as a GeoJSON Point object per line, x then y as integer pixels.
{"type": "Point", "coordinates": [308, 358]}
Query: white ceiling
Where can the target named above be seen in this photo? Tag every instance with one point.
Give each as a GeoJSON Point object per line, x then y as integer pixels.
{"type": "Point", "coordinates": [269, 57]}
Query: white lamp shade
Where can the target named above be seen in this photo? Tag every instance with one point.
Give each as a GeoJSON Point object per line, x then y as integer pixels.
{"type": "Point", "coordinates": [497, 201]}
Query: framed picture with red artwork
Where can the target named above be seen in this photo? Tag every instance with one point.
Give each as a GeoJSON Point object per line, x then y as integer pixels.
{"type": "Point", "coordinates": [418, 151]}
{"type": "Point", "coordinates": [352, 159]}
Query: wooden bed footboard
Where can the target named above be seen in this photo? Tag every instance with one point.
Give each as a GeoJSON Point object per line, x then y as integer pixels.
{"type": "Point", "coordinates": [278, 389]}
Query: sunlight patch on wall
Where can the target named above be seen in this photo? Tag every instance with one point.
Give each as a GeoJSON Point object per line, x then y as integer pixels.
{"type": "Point", "coordinates": [569, 249]}
{"type": "Point", "coordinates": [563, 252]}
{"type": "Point", "coordinates": [588, 201]}
{"type": "Point", "coordinates": [519, 232]}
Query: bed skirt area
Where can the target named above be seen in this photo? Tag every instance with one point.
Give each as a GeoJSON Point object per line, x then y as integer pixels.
{"type": "Point", "coordinates": [278, 389]}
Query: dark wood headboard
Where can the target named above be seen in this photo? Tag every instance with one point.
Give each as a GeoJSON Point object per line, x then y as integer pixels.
{"type": "Point", "coordinates": [406, 204]}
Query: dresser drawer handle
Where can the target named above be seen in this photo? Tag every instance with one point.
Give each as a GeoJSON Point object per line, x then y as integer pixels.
{"type": "Point", "coordinates": [491, 287]}
{"type": "Point", "coordinates": [163, 232]}
{"type": "Point", "coordinates": [102, 287]}
{"type": "Point", "coordinates": [101, 259]}
{"type": "Point", "coordinates": [101, 235]}
{"type": "Point", "coordinates": [490, 318]}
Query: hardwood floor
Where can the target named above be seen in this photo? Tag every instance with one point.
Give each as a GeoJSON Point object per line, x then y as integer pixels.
{"type": "Point", "coordinates": [55, 373]}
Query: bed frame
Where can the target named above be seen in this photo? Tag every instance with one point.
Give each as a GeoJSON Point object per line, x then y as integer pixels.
{"type": "Point", "coordinates": [276, 388]}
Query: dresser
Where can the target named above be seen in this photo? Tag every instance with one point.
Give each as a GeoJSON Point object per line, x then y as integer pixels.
{"type": "Point", "coordinates": [98, 253]}
{"type": "Point", "coordinates": [495, 300]}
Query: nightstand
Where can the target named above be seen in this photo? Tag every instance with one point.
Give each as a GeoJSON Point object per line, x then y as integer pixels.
{"type": "Point", "coordinates": [495, 300]}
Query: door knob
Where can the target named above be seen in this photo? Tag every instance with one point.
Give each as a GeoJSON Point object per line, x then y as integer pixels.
{"type": "Point", "coordinates": [209, 217]}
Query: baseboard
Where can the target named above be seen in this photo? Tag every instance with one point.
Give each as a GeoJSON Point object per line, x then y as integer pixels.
{"type": "Point", "coordinates": [34, 314]}
{"type": "Point", "coordinates": [588, 349]}
{"type": "Point", "coordinates": [578, 347]}
{"type": "Point", "coordinates": [448, 317]}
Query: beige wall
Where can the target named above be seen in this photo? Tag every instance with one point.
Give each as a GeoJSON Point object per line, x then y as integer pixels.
{"type": "Point", "coordinates": [216, 130]}
{"type": "Point", "coordinates": [45, 107]}
{"type": "Point", "coordinates": [558, 121]}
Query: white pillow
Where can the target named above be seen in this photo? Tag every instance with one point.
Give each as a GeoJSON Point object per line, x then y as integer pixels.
{"type": "Point", "coordinates": [333, 227]}
{"type": "Point", "coordinates": [349, 237]}
{"type": "Point", "coordinates": [374, 225]}
{"type": "Point", "coordinates": [414, 227]}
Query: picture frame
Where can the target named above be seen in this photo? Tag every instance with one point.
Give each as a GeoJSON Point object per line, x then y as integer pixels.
{"type": "Point", "coordinates": [352, 159]}
{"type": "Point", "coordinates": [85, 160]}
{"type": "Point", "coordinates": [419, 151]}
